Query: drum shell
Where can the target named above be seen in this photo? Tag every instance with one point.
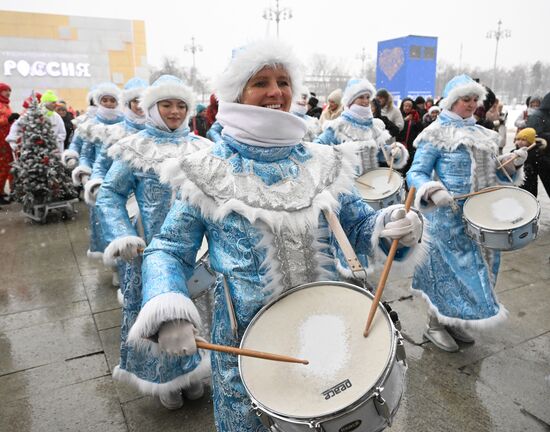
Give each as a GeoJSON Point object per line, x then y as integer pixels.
{"type": "Point", "coordinates": [366, 414]}
{"type": "Point", "coordinates": [507, 240]}
{"type": "Point", "coordinates": [395, 198]}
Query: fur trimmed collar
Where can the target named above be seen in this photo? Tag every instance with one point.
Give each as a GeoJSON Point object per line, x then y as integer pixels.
{"type": "Point", "coordinates": [209, 182]}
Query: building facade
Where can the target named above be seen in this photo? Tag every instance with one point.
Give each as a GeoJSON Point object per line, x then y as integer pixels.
{"type": "Point", "coordinates": [68, 54]}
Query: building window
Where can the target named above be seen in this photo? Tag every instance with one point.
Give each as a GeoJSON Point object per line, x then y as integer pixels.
{"type": "Point", "coordinates": [414, 51]}
{"type": "Point", "coordinates": [429, 53]}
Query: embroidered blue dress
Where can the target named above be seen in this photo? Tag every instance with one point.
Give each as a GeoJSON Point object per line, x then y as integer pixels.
{"type": "Point", "coordinates": [458, 277]}
{"type": "Point", "coordinates": [260, 209]}
{"type": "Point", "coordinates": [137, 160]}
{"type": "Point", "coordinates": [369, 136]}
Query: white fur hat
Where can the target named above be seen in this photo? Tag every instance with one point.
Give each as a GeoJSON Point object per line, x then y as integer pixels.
{"type": "Point", "coordinates": [250, 59]}
{"type": "Point", "coordinates": [133, 89]}
{"type": "Point", "coordinates": [355, 88]}
{"type": "Point", "coordinates": [106, 89]}
{"type": "Point", "coordinates": [460, 86]}
{"type": "Point", "coordinates": [167, 87]}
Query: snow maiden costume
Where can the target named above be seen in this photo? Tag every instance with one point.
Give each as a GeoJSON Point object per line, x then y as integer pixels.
{"type": "Point", "coordinates": [91, 147]}
{"type": "Point", "coordinates": [81, 124]}
{"type": "Point", "coordinates": [299, 108]}
{"type": "Point", "coordinates": [458, 277]}
{"type": "Point", "coordinates": [368, 134]}
{"type": "Point", "coordinates": [137, 159]}
{"type": "Point", "coordinates": [110, 134]}
{"type": "Point", "coordinates": [257, 196]}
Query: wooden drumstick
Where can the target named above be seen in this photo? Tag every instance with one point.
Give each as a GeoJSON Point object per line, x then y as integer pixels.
{"type": "Point", "coordinates": [482, 191]}
{"type": "Point", "coordinates": [387, 268]}
{"type": "Point", "coordinates": [249, 353]}
{"type": "Point", "coordinates": [364, 184]}
{"type": "Point", "coordinates": [391, 168]}
{"type": "Point", "coordinates": [515, 156]}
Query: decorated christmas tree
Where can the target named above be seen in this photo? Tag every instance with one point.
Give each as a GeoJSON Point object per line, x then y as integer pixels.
{"type": "Point", "coordinates": [40, 177]}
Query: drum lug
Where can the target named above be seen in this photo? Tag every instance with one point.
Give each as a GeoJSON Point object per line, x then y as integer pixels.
{"type": "Point", "coordinates": [510, 238]}
{"type": "Point", "coordinates": [315, 426]}
{"type": "Point", "coordinates": [264, 418]}
{"type": "Point", "coordinates": [381, 405]}
{"type": "Point", "coordinates": [481, 236]}
{"type": "Point", "coordinates": [535, 228]}
{"type": "Point", "coordinates": [400, 353]}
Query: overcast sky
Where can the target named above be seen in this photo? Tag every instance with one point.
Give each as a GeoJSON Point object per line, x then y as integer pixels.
{"type": "Point", "coordinates": [339, 28]}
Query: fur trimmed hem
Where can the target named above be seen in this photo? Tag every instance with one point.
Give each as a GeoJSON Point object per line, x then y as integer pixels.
{"type": "Point", "coordinates": [161, 308]}
{"type": "Point", "coordinates": [89, 193]}
{"type": "Point", "coordinates": [466, 324]}
{"type": "Point", "coordinates": [111, 253]}
{"type": "Point", "coordinates": [201, 373]}
{"type": "Point", "coordinates": [69, 154]}
{"type": "Point", "coordinates": [78, 172]}
{"type": "Point", "coordinates": [120, 298]}
{"type": "Point", "coordinates": [422, 190]}
{"type": "Point", "coordinates": [94, 255]}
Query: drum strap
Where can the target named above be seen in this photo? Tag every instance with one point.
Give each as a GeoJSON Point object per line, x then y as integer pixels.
{"type": "Point", "coordinates": [230, 309]}
{"type": "Point", "coordinates": [343, 242]}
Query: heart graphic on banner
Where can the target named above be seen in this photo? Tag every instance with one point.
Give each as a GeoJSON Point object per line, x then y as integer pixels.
{"type": "Point", "coordinates": [391, 61]}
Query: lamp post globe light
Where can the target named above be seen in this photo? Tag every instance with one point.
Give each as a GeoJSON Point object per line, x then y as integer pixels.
{"type": "Point", "coordinates": [497, 34]}
{"type": "Point", "coordinates": [193, 48]}
{"type": "Point", "coordinates": [277, 14]}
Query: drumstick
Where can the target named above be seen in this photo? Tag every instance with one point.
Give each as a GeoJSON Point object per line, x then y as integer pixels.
{"type": "Point", "coordinates": [364, 184]}
{"type": "Point", "coordinates": [391, 169]}
{"type": "Point", "coordinates": [515, 156]}
{"type": "Point", "coordinates": [249, 353]}
{"type": "Point", "coordinates": [482, 191]}
{"type": "Point", "coordinates": [386, 270]}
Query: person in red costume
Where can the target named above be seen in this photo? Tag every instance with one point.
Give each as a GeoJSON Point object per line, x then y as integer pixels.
{"type": "Point", "coordinates": [6, 156]}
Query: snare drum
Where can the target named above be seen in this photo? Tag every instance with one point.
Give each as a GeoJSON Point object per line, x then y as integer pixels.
{"type": "Point", "coordinates": [503, 219]}
{"type": "Point", "coordinates": [380, 191]}
{"type": "Point", "coordinates": [351, 382]}
{"type": "Point", "coordinates": [203, 278]}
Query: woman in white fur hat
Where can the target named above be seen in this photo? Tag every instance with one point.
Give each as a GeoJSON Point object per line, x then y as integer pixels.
{"type": "Point", "coordinates": [257, 196]}
{"type": "Point", "coordinates": [137, 161]}
{"type": "Point", "coordinates": [456, 156]}
{"type": "Point", "coordinates": [357, 125]}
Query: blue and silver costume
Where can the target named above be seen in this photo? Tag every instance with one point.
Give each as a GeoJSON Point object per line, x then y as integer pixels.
{"type": "Point", "coordinates": [137, 160]}
{"type": "Point", "coordinates": [369, 136]}
{"type": "Point", "coordinates": [458, 277]}
{"type": "Point", "coordinates": [260, 209]}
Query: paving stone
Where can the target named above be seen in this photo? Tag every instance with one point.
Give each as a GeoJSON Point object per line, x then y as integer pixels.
{"type": "Point", "coordinates": [108, 319]}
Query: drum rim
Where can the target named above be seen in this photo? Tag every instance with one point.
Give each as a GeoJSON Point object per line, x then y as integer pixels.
{"type": "Point", "coordinates": [492, 230]}
{"type": "Point", "coordinates": [362, 399]}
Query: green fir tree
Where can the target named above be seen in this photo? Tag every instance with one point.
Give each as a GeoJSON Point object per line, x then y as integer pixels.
{"type": "Point", "coordinates": [40, 177]}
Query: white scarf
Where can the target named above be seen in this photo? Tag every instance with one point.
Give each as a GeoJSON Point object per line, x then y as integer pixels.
{"type": "Point", "coordinates": [154, 118]}
{"type": "Point", "coordinates": [360, 112]}
{"type": "Point", "coordinates": [258, 126]}
{"type": "Point", "coordinates": [108, 113]}
{"type": "Point", "coordinates": [133, 117]}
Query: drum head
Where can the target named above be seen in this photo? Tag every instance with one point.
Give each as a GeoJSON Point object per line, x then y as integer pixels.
{"type": "Point", "coordinates": [502, 209]}
{"type": "Point", "coordinates": [381, 186]}
{"type": "Point", "coordinates": [322, 323]}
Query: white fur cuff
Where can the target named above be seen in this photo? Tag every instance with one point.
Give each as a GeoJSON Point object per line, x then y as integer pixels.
{"type": "Point", "coordinates": [91, 189]}
{"type": "Point", "coordinates": [402, 161]}
{"type": "Point", "coordinates": [112, 251]}
{"type": "Point", "coordinates": [69, 154]}
{"type": "Point", "coordinates": [162, 308]}
{"type": "Point", "coordinates": [421, 200]}
{"type": "Point", "coordinates": [78, 172]}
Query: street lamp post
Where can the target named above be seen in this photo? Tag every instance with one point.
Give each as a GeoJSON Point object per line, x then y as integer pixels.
{"type": "Point", "coordinates": [497, 34]}
{"type": "Point", "coordinates": [193, 48]}
{"type": "Point", "coordinates": [363, 57]}
{"type": "Point", "coordinates": [277, 14]}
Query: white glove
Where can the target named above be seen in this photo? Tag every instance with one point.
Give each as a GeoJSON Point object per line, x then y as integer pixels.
{"type": "Point", "coordinates": [521, 156]}
{"type": "Point", "coordinates": [177, 337]}
{"type": "Point", "coordinates": [130, 249]}
{"type": "Point", "coordinates": [396, 152]}
{"type": "Point", "coordinates": [72, 163]}
{"type": "Point", "coordinates": [441, 198]}
{"type": "Point", "coordinates": [405, 227]}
